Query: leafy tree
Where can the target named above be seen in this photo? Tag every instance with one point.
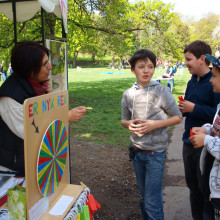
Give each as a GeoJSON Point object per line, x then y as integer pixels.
{"type": "Point", "coordinates": [204, 28]}
{"type": "Point", "coordinates": [117, 28]}
{"type": "Point", "coordinates": [154, 19]}
{"type": "Point", "coordinates": [178, 38]}
{"type": "Point", "coordinates": [216, 38]}
{"type": "Point", "coordinates": [27, 30]}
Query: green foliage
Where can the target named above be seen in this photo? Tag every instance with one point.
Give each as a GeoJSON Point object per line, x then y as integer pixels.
{"type": "Point", "coordinates": [29, 30]}
{"type": "Point", "coordinates": [204, 30]}
{"type": "Point", "coordinates": [120, 28]}
{"type": "Point", "coordinates": [116, 28]}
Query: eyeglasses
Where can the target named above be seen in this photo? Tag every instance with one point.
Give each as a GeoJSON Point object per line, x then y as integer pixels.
{"type": "Point", "coordinates": [46, 64]}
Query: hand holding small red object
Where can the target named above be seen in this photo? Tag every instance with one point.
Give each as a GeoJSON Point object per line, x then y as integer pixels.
{"type": "Point", "coordinates": [181, 98]}
{"type": "Point", "coordinates": [191, 132]}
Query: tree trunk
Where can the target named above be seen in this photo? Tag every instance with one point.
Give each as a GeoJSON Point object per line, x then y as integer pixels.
{"type": "Point", "coordinates": [93, 58]}
{"type": "Point", "coordinates": [75, 58]}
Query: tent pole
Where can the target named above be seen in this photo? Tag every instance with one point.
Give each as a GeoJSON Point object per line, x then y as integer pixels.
{"type": "Point", "coordinates": [43, 26]}
{"type": "Point", "coordinates": [63, 30]}
{"type": "Point", "coordinates": [15, 21]}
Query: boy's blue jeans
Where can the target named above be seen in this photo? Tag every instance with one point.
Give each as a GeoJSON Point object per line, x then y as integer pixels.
{"type": "Point", "coordinates": [149, 169]}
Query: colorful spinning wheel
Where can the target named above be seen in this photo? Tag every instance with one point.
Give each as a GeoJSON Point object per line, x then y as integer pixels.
{"type": "Point", "coordinates": [52, 158]}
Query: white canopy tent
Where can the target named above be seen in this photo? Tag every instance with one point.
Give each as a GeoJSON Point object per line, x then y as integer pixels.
{"type": "Point", "coordinates": [26, 9]}
{"type": "Point", "coordinates": [23, 10]}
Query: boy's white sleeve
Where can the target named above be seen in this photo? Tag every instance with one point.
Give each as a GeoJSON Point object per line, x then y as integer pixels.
{"type": "Point", "coordinates": [213, 146]}
{"type": "Point", "coordinates": [202, 159]}
{"type": "Point", "coordinates": [208, 128]}
{"type": "Point", "coordinates": [12, 114]}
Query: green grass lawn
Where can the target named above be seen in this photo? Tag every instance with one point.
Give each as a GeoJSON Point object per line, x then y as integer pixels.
{"type": "Point", "coordinates": [103, 92]}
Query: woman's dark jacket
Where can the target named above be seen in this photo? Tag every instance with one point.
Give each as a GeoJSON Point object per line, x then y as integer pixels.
{"type": "Point", "coordinates": [11, 146]}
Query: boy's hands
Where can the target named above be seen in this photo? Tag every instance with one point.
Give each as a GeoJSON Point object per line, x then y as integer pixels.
{"type": "Point", "coordinates": [186, 106]}
{"type": "Point", "coordinates": [199, 136]}
{"type": "Point", "coordinates": [197, 130]}
{"type": "Point", "coordinates": [139, 126]}
{"type": "Point", "coordinates": [198, 140]}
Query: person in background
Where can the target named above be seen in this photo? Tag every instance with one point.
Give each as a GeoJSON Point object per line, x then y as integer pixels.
{"type": "Point", "coordinates": [30, 78]}
{"type": "Point", "coordinates": [123, 64]}
{"type": "Point", "coordinates": [1, 66]}
{"type": "Point", "coordinates": [169, 70]}
{"type": "Point", "coordinates": [10, 69]}
{"type": "Point", "coordinates": [198, 108]}
{"type": "Point", "coordinates": [169, 73]}
{"type": "Point", "coordinates": [3, 70]}
{"type": "Point", "coordinates": [174, 68]}
{"type": "Point", "coordinates": [209, 136]}
{"type": "Point", "coordinates": [146, 108]}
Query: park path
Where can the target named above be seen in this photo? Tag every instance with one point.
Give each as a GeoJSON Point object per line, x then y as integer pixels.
{"type": "Point", "coordinates": [176, 193]}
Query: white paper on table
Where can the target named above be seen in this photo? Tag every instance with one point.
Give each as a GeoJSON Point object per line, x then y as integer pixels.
{"type": "Point", "coordinates": [39, 208]}
{"type": "Point", "coordinates": [62, 204]}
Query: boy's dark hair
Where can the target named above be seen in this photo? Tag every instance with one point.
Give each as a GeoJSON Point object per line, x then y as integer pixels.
{"type": "Point", "coordinates": [199, 48]}
{"type": "Point", "coordinates": [26, 58]}
{"type": "Point", "coordinates": [142, 54]}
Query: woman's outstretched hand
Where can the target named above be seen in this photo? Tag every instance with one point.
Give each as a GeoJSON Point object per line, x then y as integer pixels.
{"type": "Point", "coordinates": [75, 114]}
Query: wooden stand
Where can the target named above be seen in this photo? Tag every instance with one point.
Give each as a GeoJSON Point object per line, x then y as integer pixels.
{"type": "Point", "coordinates": [39, 113]}
{"type": "Point", "coordinates": [69, 190]}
